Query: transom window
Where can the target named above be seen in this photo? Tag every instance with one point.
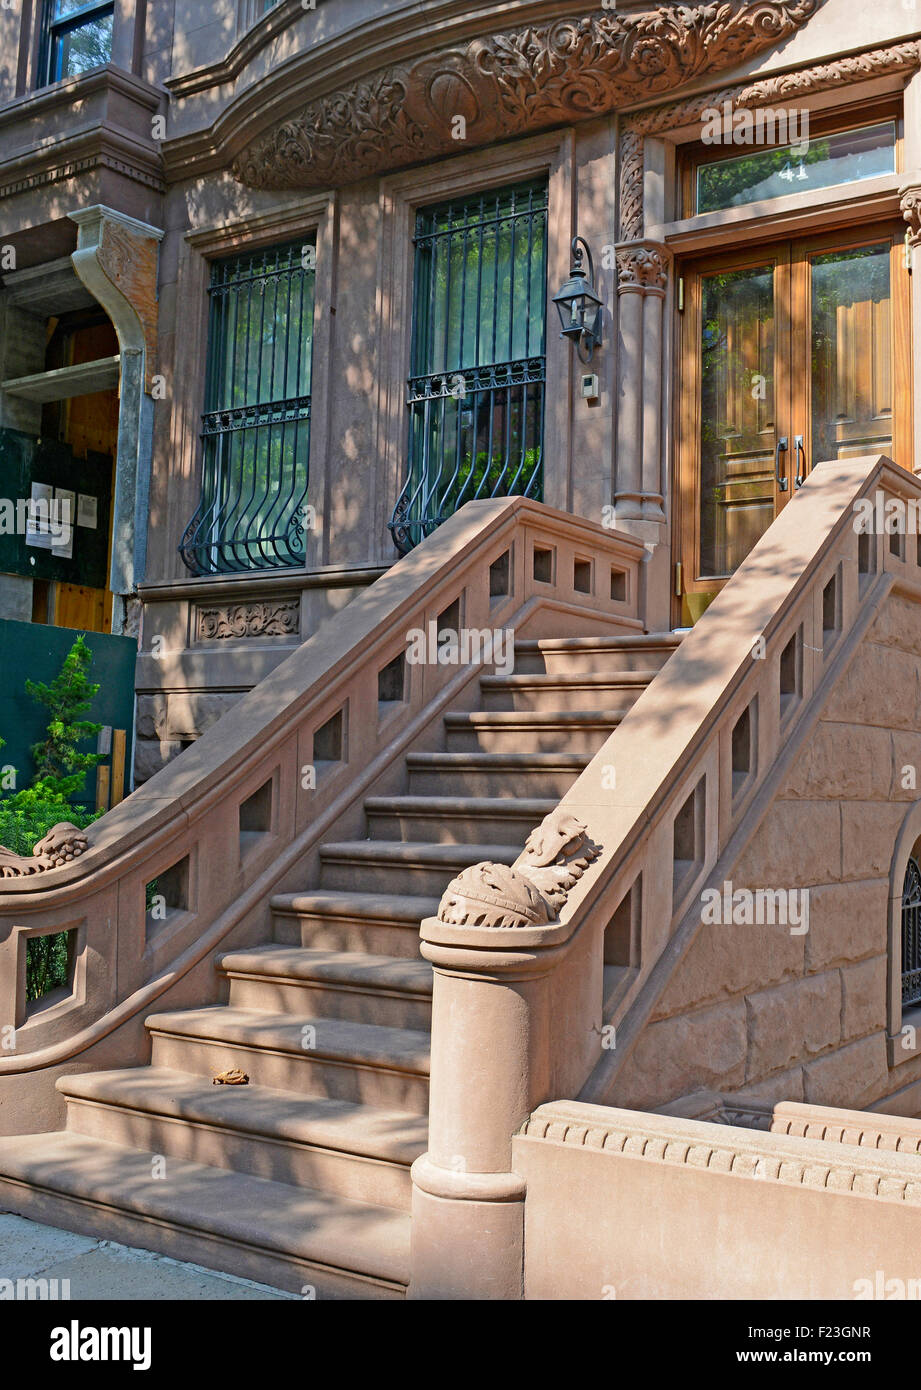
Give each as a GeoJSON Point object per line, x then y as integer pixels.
{"type": "Point", "coordinates": [476, 393]}
{"type": "Point", "coordinates": [911, 935]}
{"type": "Point", "coordinates": [256, 425]}
{"type": "Point", "coordinates": [845, 157]}
{"type": "Point", "coordinates": [747, 155]}
{"type": "Point", "coordinates": [77, 37]}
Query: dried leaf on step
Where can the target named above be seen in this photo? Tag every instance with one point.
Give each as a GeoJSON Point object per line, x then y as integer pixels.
{"type": "Point", "coordinates": [232, 1077]}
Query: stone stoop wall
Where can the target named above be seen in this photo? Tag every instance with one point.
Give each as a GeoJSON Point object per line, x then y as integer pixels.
{"type": "Point", "coordinates": [773, 1015]}
{"type": "Point", "coordinates": [624, 1206]}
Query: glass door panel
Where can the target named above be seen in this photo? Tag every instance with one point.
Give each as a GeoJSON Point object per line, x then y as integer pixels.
{"type": "Point", "coordinates": [850, 381]}
{"type": "Point", "coordinates": [737, 415]}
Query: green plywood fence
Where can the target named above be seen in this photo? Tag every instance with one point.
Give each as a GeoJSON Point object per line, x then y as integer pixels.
{"type": "Point", "coordinates": [35, 652]}
{"type": "Point", "coordinates": [26, 460]}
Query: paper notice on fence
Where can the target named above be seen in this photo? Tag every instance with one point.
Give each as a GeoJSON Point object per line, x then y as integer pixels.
{"type": "Point", "coordinates": [62, 523]}
{"type": "Point", "coordinates": [38, 517]}
{"type": "Point", "coordinates": [87, 511]}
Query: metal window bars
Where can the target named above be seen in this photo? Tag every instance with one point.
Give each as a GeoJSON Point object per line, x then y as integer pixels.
{"type": "Point", "coordinates": [911, 935]}
{"type": "Point", "coordinates": [256, 426]}
{"type": "Point", "coordinates": [476, 395]}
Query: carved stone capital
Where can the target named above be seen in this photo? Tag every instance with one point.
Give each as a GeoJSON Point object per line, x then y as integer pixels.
{"type": "Point", "coordinates": [531, 892]}
{"type": "Point", "coordinates": [63, 843]}
{"type": "Point", "coordinates": [910, 205]}
{"type": "Point", "coordinates": [642, 267]}
{"type": "Point", "coordinates": [503, 84]}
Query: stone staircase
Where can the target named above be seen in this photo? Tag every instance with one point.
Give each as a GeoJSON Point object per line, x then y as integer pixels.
{"type": "Point", "coordinates": [301, 1179]}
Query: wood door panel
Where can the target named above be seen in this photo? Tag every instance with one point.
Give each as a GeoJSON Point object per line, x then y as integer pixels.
{"type": "Point", "coordinates": [835, 358]}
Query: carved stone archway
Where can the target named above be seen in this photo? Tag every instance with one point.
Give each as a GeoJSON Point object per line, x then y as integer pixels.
{"type": "Point", "coordinates": [507, 83]}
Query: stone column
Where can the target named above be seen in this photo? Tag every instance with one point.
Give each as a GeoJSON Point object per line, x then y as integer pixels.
{"type": "Point", "coordinates": [639, 464]}
{"type": "Point", "coordinates": [642, 276]}
{"type": "Point", "coordinates": [910, 203]}
{"type": "Point", "coordinates": [117, 259]}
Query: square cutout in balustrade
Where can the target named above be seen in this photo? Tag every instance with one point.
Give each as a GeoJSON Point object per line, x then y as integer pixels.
{"type": "Point", "coordinates": [791, 673]}
{"type": "Point", "coordinates": [544, 558]}
{"type": "Point", "coordinates": [50, 965]}
{"type": "Point", "coordinates": [500, 576]}
{"type": "Point", "coordinates": [688, 839]}
{"type": "Point", "coordinates": [166, 895]}
{"type": "Point", "coordinates": [582, 576]}
{"type": "Point", "coordinates": [391, 681]}
{"type": "Point", "coordinates": [743, 749]}
{"type": "Point", "coordinates": [619, 586]}
{"type": "Point", "coordinates": [329, 740]}
{"type": "Point", "coordinates": [256, 817]}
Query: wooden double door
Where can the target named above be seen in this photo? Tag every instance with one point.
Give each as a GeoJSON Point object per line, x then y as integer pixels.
{"type": "Point", "coordinates": [792, 354]}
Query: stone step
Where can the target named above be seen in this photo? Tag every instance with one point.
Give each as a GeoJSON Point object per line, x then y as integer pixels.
{"type": "Point", "coordinates": [359, 1062]}
{"type": "Point", "coordinates": [535, 731]}
{"type": "Point", "coordinates": [455, 820]}
{"type": "Point", "coordinates": [344, 921]}
{"type": "Point", "coordinates": [357, 987]}
{"type": "Point", "coordinates": [494, 774]}
{"type": "Point", "coordinates": [641, 652]}
{"type": "Point", "coordinates": [394, 866]}
{"type": "Point", "coordinates": [294, 1238]}
{"type": "Point", "coordinates": [564, 691]}
{"type": "Point", "coordinates": [350, 1150]}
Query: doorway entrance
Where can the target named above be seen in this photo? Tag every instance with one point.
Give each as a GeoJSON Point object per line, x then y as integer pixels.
{"type": "Point", "coordinates": [791, 355]}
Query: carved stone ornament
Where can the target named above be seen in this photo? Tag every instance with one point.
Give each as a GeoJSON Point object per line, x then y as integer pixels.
{"type": "Point", "coordinates": [504, 84]}
{"type": "Point", "coordinates": [641, 266]}
{"type": "Point", "coordinates": [271, 618]}
{"type": "Point", "coordinates": [531, 892]}
{"type": "Point", "coordinates": [63, 843]}
{"type": "Point", "coordinates": [767, 91]}
{"type": "Point", "coordinates": [910, 203]}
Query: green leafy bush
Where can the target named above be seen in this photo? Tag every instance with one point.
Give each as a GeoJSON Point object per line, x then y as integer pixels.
{"type": "Point", "coordinates": [27, 815]}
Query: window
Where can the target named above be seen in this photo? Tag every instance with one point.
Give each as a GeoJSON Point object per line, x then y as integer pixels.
{"type": "Point", "coordinates": [256, 426]}
{"type": "Point", "coordinates": [476, 393]}
{"type": "Point", "coordinates": [843, 157]}
{"type": "Point", "coordinates": [78, 37]}
{"type": "Point", "coordinates": [911, 935]}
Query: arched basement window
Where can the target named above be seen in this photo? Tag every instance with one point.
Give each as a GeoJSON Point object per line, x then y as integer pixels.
{"type": "Point", "coordinates": [911, 934]}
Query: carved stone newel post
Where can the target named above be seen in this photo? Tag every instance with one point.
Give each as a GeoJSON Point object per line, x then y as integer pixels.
{"type": "Point", "coordinates": [494, 946]}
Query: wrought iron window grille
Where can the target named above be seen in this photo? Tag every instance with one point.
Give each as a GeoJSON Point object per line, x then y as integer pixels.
{"type": "Point", "coordinates": [256, 426]}
{"type": "Point", "coordinates": [911, 935]}
{"type": "Point", "coordinates": [476, 394]}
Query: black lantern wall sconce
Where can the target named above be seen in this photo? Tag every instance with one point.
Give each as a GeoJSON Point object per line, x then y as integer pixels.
{"type": "Point", "coordinates": [579, 303]}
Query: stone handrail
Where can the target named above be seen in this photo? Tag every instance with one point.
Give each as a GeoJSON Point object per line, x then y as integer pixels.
{"type": "Point", "coordinates": [665, 803]}
{"type": "Point", "coordinates": [183, 829]}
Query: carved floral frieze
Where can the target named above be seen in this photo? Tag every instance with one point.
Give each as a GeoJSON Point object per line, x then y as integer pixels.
{"type": "Point", "coordinates": [503, 84]}
{"type": "Point", "coordinates": [277, 617]}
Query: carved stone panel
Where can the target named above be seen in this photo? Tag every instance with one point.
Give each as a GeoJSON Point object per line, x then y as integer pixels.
{"type": "Point", "coordinates": [507, 83]}
{"type": "Point", "coordinates": [270, 617]}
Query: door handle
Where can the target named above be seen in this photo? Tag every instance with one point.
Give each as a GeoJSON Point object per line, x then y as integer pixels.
{"type": "Point", "coordinates": [800, 448]}
{"type": "Point", "coordinates": [780, 449]}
